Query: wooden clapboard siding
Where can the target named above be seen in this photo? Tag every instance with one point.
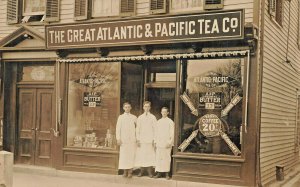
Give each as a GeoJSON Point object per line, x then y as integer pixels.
{"type": "Point", "coordinates": [237, 4]}
{"type": "Point", "coordinates": [279, 83]}
{"type": "Point", "coordinates": [4, 28]}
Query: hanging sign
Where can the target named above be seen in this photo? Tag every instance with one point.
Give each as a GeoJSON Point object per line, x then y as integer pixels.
{"type": "Point", "coordinates": [210, 125]}
{"type": "Point", "coordinates": [210, 100]}
{"type": "Point", "coordinates": [185, 98]}
{"type": "Point", "coordinates": [91, 99]}
{"type": "Point", "coordinates": [230, 144]}
{"type": "Point", "coordinates": [187, 141]}
{"type": "Point", "coordinates": [234, 101]}
{"type": "Point", "coordinates": [219, 25]}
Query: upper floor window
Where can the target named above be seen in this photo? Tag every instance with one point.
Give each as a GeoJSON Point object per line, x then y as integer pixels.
{"type": "Point", "coordinates": [34, 7]}
{"type": "Point", "coordinates": [103, 8]}
{"type": "Point", "coordinates": [276, 10]}
{"type": "Point", "coordinates": [32, 10]}
{"type": "Point", "coordinates": [186, 5]}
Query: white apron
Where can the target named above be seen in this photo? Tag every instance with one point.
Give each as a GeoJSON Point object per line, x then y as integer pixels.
{"type": "Point", "coordinates": [125, 132]}
{"type": "Point", "coordinates": [164, 135]}
{"type": "Point", "coordinates": [145, 154]}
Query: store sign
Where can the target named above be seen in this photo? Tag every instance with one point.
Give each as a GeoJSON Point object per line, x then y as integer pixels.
{"type": "Point", "coordinates": [225, 25]}
{"type": "Point", "coordinates": [210, 100]}
{"type": "Point", "coordinates": [91, 99]}
{"type": "Point", "coordinates": [210, 125]}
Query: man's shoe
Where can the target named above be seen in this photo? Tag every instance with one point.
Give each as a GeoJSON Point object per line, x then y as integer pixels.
{"type": "Point", "coordinates": [141, 172]}
{"type": "Point", "coordinates": [149, 170]}
{"type": "Point", "coordinates": [168, 176]}
{"type": "Point", "coordinates": [129, 173]}
{"type": "Point", "coordinates": [125, 173]}
{"type": "Point", "coordinates": [157, 175]}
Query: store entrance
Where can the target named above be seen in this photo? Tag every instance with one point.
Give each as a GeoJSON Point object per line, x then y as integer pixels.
{"type": "Point", "coordinates": [161, 97]}
{"type": "Point", "coordinates": [35, 120]}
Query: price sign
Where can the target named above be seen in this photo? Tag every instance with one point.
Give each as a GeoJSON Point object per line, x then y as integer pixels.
{"type": "Point", "coordinates": [210, 125]}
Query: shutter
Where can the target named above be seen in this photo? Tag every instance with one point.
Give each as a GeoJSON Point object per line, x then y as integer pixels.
{"type": "Point", "coordinates": [278, 11]}
{"type": "Point", "coordinates": [52, 10]}
{"type": "Point", "coordinates": [213, 4]}
{"type": "Point", "coordinates": [81, 10]}
{"type": "Point", "coordinates": [127, 7]}
{"type": "Point", "coordinates": [272, 7]}
{"type": "Point", "coordinates": [12, 11]}
{"type": "Point", "coordinates": [158, 6]}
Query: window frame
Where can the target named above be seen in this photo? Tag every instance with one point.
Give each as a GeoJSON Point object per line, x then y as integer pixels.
{"type": "Point", "coordinates": [276, 11]}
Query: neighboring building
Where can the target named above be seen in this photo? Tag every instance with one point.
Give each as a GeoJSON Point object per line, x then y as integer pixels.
{"type": "Point", "coordinates": [227, 70]}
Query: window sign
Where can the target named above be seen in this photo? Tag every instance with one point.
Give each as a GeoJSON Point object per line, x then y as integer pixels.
{"type": "Point", "coordinates": [212, 106]}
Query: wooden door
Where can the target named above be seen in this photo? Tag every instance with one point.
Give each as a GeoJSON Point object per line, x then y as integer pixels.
{"type": "Point", "coordinates": [36, 119]}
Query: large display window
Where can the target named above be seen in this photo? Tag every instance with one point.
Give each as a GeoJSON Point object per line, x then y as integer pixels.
{"type": "Point", "coordinates": [212, 106]}
{"type": "Point", "coordinates": [93, 104]}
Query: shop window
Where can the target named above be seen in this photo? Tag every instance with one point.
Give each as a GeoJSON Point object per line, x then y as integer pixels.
{"type": "Point", "coordinates": [93, 105]}
{"type": "Point", "coordinates": [33, 72]}
{"type": "Point", "coordinates": [276, 10]}
{"type": "Point", "coordinates": [103, 8]}
{"type": "Point", "coordinates": [32, 11]}
{"type": "Point", "coordinates": [186, 5]}
{"type": "Point", "coordinates": [212, 106]}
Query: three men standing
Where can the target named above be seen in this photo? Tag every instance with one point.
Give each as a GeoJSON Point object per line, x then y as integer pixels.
{"type": "Point", "coordinates": [145, 153]}
{"type": "Point", "coordinates": [148, 135]}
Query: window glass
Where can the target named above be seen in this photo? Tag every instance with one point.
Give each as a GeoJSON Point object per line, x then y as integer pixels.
{"type": "Point", "coordinates": [186, 5]}
{"type": "Point", "coordinates": [37, 73]}
{"type": "Point", "coordinates": [131, 86]}
{"type": "Point", "coordinates": [34, 7]}
{"type": "Point", "coordinates": [105, 8]}
{"type": "Point", "coordinates": [93, 105]}
{"type": "Point", "coordinates": [212, 103]}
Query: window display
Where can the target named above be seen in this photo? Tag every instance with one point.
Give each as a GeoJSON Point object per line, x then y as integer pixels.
{"type": "Point", "coordinates": [93, 105]}
{"type": "Point", "coordinates": [212, 106]}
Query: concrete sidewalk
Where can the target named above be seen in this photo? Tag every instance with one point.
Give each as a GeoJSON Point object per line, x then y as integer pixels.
{"type": "Point", "coordinates": [27, 176]}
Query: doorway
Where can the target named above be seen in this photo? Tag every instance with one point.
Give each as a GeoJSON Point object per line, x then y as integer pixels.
{"type": "Point", "coordinates": [36, 114]}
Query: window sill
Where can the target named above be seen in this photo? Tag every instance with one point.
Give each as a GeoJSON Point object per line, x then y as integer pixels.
{"type": "Point", "coordinates": [35, 23]}
{"type": "Point", "coordinates": [93, 150]}
{"type": "Point", "coordinates": [203, 156]}
{"type": "Point", "coordinates": [276, 23]}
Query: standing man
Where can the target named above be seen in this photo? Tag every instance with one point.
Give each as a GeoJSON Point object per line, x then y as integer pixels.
{"type": "Point", "coordinates": [164, 140]}
{"type": "Point", "coordinates": [145, 153]}
{"type": "Point", "coordinates": [125, 135]}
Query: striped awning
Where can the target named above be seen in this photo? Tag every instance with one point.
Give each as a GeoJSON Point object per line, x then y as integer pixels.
{"type": "Point", "coordinates": [218, 54]}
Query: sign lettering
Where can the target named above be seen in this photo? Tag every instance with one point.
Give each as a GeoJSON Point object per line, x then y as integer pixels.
{"type": "Point", "coordinates": [224, 25]}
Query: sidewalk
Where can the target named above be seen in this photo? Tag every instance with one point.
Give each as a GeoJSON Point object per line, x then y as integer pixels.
{"type": "Point", "coordinates": [28, 176]}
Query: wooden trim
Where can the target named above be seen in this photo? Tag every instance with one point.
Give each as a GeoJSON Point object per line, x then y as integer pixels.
{"type": "Point", "coordinates": [90, 150]}
{"type": "Point", "coordinates": [217, 157]}
{"type": "Point", "coordinates": [160, 85]}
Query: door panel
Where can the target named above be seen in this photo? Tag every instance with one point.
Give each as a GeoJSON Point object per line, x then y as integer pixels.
{"type": "Point", "coordinates": [36, 119]}
{"type": "Point", "coordinates": [45, 114]}
{"type": "Point", "coordinates": [27, 115]}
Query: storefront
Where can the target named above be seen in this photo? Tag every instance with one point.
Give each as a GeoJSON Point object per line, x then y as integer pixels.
{"type": "Point", "coordinates": [199, 66]}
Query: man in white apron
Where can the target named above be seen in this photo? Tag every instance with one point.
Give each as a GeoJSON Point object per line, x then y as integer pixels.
{"type": "Point", "coordinates": [125, 135]}
{"type": "Point", "coordinates": [145, 153]}
{"type": "Point", "coordinates": [164, 140]}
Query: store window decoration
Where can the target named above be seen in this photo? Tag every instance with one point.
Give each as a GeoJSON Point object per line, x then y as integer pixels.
{"type": "Point", "coordinates": [93, 105]}
{"type": "Point", "coordinates": [212, 104]}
